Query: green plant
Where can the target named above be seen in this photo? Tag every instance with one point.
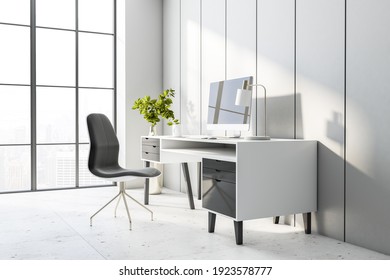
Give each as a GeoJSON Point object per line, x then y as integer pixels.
{"type": "Point", "coordinates": [153, 109]}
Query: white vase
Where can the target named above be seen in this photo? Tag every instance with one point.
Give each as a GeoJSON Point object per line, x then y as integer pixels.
{"type": "Point", "coordinates": [152, 130]}
{"type": "Point", "coordinates": [176, 130]}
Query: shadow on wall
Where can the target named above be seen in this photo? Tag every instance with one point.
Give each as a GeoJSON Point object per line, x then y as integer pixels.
{"type": "Point", "coordinates": [365, 206]}
{"type": "Point", "coordinates": [329, 219]}
{"type": "Point", "coordinates": [335, 130]}
{"type": "Point", "coordinates": [280, 116]}
{"type": "Point", "coordinates": [367, 222]}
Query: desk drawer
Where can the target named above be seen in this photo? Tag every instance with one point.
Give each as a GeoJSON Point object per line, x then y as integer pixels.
{"type": "Point", "coordinates": [219, 196]}
{"type": "Point", "coordinates": [150, 156]}
{"type": "Point", "coordinates": [151, 149]}
{"type": "Point", "coordinates": [219, 165]}
{"type": "Point", "coordinates": [221, 175]}
{"type": "Point", "coordinates": [150, 141]}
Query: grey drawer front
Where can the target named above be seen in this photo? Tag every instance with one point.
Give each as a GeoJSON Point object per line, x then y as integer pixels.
{"type": "Point", "coordinates": [151, 149]}
{"type": "Point", "coordinates": [219, 175]}
{"type": "Point", "coordinates": [150, 141]}
{"type": "Point", "coordinates": [219, 165]}
{"type": "Point", "coordinates": [150, 156]}
{"type": "Point", "coordinates": [219, 196]}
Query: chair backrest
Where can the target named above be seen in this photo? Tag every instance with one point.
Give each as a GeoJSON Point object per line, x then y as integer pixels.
{"type": "Point", "coordinates": [104, 149]}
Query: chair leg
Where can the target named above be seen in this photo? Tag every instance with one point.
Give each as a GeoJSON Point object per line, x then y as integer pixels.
{"type": "Point", "coordinates": [127, 208]}
{"type": "Point", "coordinates": [90, 219]}
{"type": "Point", "coordinates": [116, 207]}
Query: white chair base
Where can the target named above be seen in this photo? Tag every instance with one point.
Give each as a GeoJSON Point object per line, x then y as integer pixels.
{"type": "Point", "coordinates": [122, 194]}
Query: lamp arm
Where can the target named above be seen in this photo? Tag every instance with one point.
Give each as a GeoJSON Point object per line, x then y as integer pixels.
{"type": "Point", "coordinates": [265, 104]}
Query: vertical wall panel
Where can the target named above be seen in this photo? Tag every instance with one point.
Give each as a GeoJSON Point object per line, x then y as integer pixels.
{"type": "Point", "coordinates": [241, 43]}
{"type": "Point", "coordinates": [190, 77]}
{"type": "Point", "coordinates": [275, 66]}
{"type": "Point", "coordinates": [190, 66]}
{"type": "Point", "coordinates": [275, 69]}
{"type": "Point", "coordinates": [368, 118]}
{"type": "Point", "coordinates": [320, 85]}
{"type": "Point", "coordinates": [213, 50]}
{"type": "Point", "coordinates": [171, 76]}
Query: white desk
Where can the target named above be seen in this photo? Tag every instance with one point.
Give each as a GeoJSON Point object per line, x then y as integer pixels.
{"type": "Point", "coordinates": [245, 179]}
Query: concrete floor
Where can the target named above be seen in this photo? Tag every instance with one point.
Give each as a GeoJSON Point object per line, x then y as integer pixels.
{"type": "Point", "coordinates": [55, 225]}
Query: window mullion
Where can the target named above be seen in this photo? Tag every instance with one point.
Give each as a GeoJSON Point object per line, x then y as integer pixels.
{"type": "Point", "coordinates": [77, 96]}
{"type": "Point", "coordinates": [33, 64]}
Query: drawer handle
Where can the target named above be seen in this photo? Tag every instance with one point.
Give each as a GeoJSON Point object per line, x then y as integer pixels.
{"type": "Point", "coordinates": [218, 180]}
{"type": "Point", "coordinates": [217, 170]}
{"type": "Point", "coordinates": [154, 146]}
{"type": "Point", "coordinates": [147, 153]}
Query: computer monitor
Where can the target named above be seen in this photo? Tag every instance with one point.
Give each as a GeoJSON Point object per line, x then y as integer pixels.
{"type": "Point", "coordinates": [223, 113]}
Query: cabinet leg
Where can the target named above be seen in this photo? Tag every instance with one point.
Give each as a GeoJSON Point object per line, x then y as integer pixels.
{"type": "Point", "coordinates": [238, 229]}
{"type": "Point", "coordinates": [212, 218]}
{"type": "Point", "coordinates": [146, 186]}
{"type": "Point", "coordinates": [186, 173]}
{"type": "Point", "coordinates": [307, 222]}
{"type": "Point", "coordinates": [276, 220]}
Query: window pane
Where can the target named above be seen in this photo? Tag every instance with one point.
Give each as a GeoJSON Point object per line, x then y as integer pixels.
{"type": "Point", "coordinates": [14, 54]}
{"type": "Point", "coordinates": [96, 15]}
{"type": "Point", "coordinates": [96, 60]}
{"type": "Point", "coordinates": [56, 13]}
{"type": "Point", "coordinates": [56, 114]}
{"type": "Point", "coordinates": [15, 174]}
{"type": "Point", "coordinates": [56, 166]}
{"type": "Point", "coordinates": [14, 115]}
{"type": "Point", "coordinates": [55, 57]}
{"type": "Point", "coordinates": [93, 101]}
{"type": "Point", "coordinates": [86, 178]}
{"type": "Point", "coordinates": [15, 11]}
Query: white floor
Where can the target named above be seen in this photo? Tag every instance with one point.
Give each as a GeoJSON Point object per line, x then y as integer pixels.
{"type": "Point", "coordinates": [55, 225]}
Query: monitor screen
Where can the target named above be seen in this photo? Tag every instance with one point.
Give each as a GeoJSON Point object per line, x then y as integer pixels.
{"type": "Point", "coordinates": [223, 113]}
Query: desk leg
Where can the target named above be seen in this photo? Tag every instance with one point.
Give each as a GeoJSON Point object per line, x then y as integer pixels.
{"type": "Point", "coordinates": [212, 218]}
{"type": "Point", "coordinates": [307, 222]}
{"type": "Point", "coordinates": [199, 181]}
{"type": "Point", "coordinates": [238, 229]}
{"type": "Point", "coordinates": [184, 165]}
{"type": "Point", "coordinates": [146, 187]}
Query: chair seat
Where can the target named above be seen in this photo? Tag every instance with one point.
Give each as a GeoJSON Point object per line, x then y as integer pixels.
{"type": "Point", "coordinates": [116, 172]}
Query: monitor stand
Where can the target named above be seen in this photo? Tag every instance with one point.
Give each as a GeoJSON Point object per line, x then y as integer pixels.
{"type": "Point", "coordinates": [234, 133]}
{"type": "Point", "coordinates": [257, 138]}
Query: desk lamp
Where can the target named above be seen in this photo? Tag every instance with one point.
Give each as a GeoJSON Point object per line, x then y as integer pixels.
{"type": "Point", "coordinates": [244, 97]}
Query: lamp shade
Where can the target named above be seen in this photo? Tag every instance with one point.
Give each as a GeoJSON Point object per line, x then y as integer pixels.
{"type": "Point", "coordinates": [243, 97]}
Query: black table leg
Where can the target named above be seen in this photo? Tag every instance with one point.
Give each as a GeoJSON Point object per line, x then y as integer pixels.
{"type": "Point", "coordinates": [307, 222]}
{"type": "Point", "coordinates": [199, 181]}
{"type": "Point", "coordinates": [146, 186]}
{"type": "Point", "coordinates": [184, 165]}
{"type": "Point", "coordinates": [212, 218]}
{"type": "Point", "coordinates": [238, 229]}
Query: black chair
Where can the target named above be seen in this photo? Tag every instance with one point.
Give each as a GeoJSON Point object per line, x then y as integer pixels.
{"type": "Point", "coordinates": [103, 161]}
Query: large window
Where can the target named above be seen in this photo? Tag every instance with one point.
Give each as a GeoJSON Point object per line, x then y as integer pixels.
{"type": "Point", "coordinates": [57, 65]}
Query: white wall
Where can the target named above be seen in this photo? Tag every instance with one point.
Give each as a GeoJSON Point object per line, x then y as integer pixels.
{"type": "Point", "coordinates": [172, 76]}
{"type": "Point", "coordinates": [143, 70]}
{"type": "Point", "coordinates": [121, 78]}
{"type": "Point", "coordinates": [326, 76]}
{"type": "Point", "coordinates": [368, 118]}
